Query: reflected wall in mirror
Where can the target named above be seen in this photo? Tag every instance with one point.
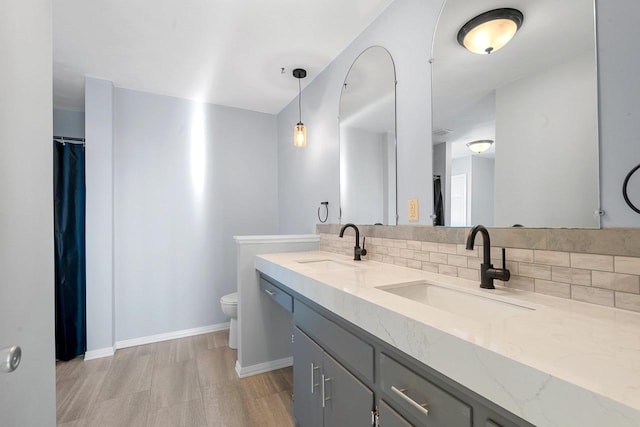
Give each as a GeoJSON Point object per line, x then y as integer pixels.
{"type": "Point", "coordinates": [537, 99]}
{"type": "Point", "coordinates": [368, 140]}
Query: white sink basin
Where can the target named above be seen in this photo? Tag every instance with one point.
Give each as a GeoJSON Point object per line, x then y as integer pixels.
{"type": "Point", "coordinates": [326, 264]}
{"type": "Point", "coordinates": [477, 307]}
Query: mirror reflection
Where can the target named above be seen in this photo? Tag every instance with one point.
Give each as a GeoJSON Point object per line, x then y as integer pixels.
{"type": "Point", "coordinates": [536, 98]}
{"type": "Point", "coordinates": [368, 140]}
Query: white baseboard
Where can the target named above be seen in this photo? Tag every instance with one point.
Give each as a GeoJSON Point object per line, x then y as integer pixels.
{"type": "Point", "coordinates": [101, 352]}
{"type": "Point", "coordinates": [171, 335]}
{"type": "Point", "coordinates": [260, 368]}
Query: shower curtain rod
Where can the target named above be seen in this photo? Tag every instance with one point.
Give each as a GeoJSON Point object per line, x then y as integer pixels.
{"type": "Point", "coordinates": [68, 139]}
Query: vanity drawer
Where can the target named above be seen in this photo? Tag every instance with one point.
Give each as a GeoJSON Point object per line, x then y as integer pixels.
{"type": "Point", "coordinates": [276, 294]}
{"type": "Point", "coordinates": [408, 391]}
{"type": "Point", "coordinates": [353, 352]}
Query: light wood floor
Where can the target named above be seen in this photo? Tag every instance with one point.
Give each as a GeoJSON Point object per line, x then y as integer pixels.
{"type": "Point", "coordinates": [185, 382]}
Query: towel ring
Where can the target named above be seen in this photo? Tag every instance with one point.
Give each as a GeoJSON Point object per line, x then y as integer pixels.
{"type": "Point", "coordinates": [624, 189]}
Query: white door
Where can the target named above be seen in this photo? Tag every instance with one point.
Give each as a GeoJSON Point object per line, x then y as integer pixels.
{"type": "Point", "coordinates": [27, 395]}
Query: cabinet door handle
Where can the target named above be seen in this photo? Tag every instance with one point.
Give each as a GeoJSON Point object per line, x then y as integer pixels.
{"type": "Point", "coordinates": [324, 398]}
{"type": "Point", "coordinates": [313, 383]}
{"type": "Point", "coordinates": [402, 393]}
{"type": "Point", "coordinates": [270, 292]}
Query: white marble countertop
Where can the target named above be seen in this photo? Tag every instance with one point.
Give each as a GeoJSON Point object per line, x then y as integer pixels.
{"type": "Point", "coordinates": [565, 363]}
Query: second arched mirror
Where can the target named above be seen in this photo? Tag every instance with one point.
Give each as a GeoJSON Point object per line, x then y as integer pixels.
{"type": "Point", "coordinates": [368, 140]}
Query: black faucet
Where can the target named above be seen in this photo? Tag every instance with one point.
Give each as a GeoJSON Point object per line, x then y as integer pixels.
{"type": "Point", "coordinates": [357, 251]}
{"type": "Point", "coordinates": [487, 272]}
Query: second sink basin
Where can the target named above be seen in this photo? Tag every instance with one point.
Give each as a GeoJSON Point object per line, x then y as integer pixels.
{"type": "Point", "coordinates": [462, 303]}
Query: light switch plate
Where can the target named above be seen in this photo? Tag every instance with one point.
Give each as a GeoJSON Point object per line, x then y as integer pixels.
{"type": "Point", "coordinates": [413, 209]}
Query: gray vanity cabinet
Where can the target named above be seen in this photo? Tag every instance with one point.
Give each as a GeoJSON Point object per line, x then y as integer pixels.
{"type": "Point", "coordinates": [342, 373]}
{"type": "Point", "coordinates": [325, 393]}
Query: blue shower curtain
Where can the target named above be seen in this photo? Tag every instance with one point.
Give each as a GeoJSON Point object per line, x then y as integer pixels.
{"type": "Point", "coordinates": [70, 265]}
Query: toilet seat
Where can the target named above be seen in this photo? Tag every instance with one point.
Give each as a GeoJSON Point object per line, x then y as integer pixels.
{"type": "Point", "coordinates": [230, 299]}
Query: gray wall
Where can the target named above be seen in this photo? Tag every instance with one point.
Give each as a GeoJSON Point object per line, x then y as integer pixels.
{"type": "Point", "coordinates": [68, 123]}
{"type": "Point", "coordinates": [546, 154]}
{"type": "Point", "coordinates": [99, 221]}
{"type": "Point", "coordinates": [187, 178]}
{"type": "Point", "coordinates": [363, 174]}
{"type": "Point", "coordinates": [482, 190]}
{"type": "Point", "coordinates": [308, 176]}
{"type": "Point", "coordinates": [406, 29]}
{"type": "Point", "coordinates": [619, 66]}
{"type": "Point", "coordinates": [27, 396]}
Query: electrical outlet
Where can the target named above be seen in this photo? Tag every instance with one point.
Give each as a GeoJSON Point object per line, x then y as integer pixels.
{"type": "Point", "coordinates": [413, 209]}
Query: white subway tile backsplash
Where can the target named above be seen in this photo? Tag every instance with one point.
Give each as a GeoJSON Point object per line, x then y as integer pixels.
{"type": "Point", "coordinates": [556, 289]}
{"type": "Point", "coordinates": [592, 295]}
{"type": "Point", "coordinates": [448, 270]}
{"type": "Point", "coordinates": [629, 265]}
{"type": "Point", "coordinates": [592, 262]}
{"type": "Point", "coordinates": [457, 260]}
{"type": "Point", "coordinates": [438, 258]}
{"type": "Point", "coordinates": [522, 255]}
{"type": "Point", "coordinates": [429, 246]}
{"type": "Point", "coordinates": [447, 248]}
{"type": "Point", "coordinates": [616, 281]}
{"type": "Point", "coordinates": [535, 271]}
{"type": "Point", "coordinates": [560, 259]}
{"type": "Point", "coordinates": [414, 244]}
{"type": "Point", "coordinates": [627, 301]}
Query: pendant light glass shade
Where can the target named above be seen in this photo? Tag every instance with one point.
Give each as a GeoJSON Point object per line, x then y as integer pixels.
{"type": "Point", "coordinates": [490, 31]}
{"type": "Point", "coordinates": [299, 131]}
{"type": "Point", "coordinates": [300, 135]}
{"type": "Point", "coordinates": [479, 146]}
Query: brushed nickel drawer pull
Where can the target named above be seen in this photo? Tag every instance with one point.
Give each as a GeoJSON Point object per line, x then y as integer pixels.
{"type": "Point", "coordinates": [313, 383]}
{"type": "Point", "coordinates": [402, 393]}
{"type": "Point", "coordinates": [270, 292]}
{"type": "Point", "coordinates": [324, 399]}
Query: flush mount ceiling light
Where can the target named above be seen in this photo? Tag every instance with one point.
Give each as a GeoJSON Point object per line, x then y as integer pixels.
{"type": "Point", "coordinates": [490, 31]}
{"type": "Point", "coordinates": [479, 146]}
{"type": "Point", "coordinates": [300, 131]}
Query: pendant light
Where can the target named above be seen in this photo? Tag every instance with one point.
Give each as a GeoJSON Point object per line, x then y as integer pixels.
{"type": "Point", "coordinates": [300, 131]}
{"type": "Point", "coordinates": [479, 146]}
{"type": "Point", "coordinates": [490, 31]}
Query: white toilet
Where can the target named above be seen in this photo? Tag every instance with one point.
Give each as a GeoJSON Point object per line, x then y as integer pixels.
{"type": "Point", "coordinates": [229, 305]}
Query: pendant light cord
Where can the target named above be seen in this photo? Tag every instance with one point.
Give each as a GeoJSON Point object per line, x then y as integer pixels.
{"type": "Point", "coordinates": [299, 101]}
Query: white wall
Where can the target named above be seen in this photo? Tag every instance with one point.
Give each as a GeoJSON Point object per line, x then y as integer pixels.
{"type": "Point", "coordinates": [363, 176]}
{"type": "Point", "coordinates": [99, 216]}
{"type": "Point", "coordinates": [619, 91]}
{"type": "Point", "coordinates": [68, 123]}
{"type": "Point", "coordinates": [27, 396]}
{"type": "Point", "coordinates": [543, 124]}
{"type": "Point", "coordinates": [308, 176]}
{"type": "Point", "coordinates": [187, 178]}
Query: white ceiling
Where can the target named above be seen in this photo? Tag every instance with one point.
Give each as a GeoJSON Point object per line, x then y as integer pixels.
{"type": "Point", "coordinates": [225, 52]}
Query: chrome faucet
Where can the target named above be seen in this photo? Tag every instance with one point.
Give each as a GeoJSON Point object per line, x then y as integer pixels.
{"type": "Point", "coordinates": [487, 272]}
{"type": "Point", "coordinates": [357, 251]}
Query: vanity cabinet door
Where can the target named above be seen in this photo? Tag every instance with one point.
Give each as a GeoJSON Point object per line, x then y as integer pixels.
{"type": "Point", "coordinates": [307, 371]}
{"type": "Point", "coordinates": [348, 402]}
{"type": "Point", "coordinates": [387, 417]}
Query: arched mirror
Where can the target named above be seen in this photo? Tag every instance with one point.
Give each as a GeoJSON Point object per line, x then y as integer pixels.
{"type": "Point", "coordinates": [536, 100]}
{"type": "Point", "coordinates": [368, 140]}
